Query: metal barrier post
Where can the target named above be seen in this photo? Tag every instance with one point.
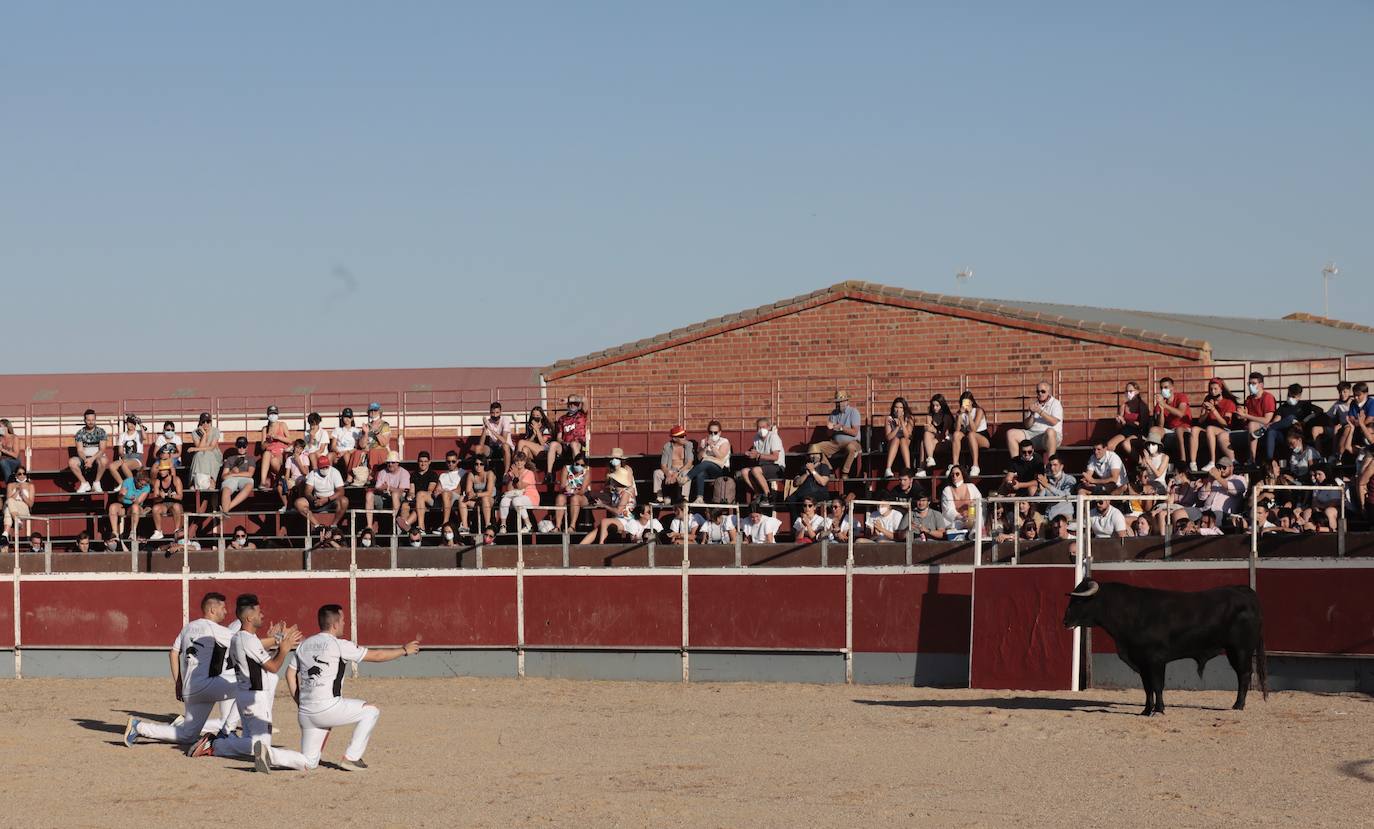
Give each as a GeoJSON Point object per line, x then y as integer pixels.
{"type": "Point", "coordinates": [1254, 533]}
{"type": "Point", "coordinates": [978, 533]}
{"type": "Point", "coordinates": [519, 609]}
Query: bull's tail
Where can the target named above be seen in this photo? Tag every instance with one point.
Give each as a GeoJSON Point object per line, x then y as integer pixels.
{"type": "Point", "coordinates": [1261, 668]}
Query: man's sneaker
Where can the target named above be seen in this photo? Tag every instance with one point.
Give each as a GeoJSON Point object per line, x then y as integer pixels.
{"type": "Point", "coordinates": [260, 761]}
{"type": "Point", "coordinates": [1208, 468]}
{"type": "Point", "coordinates": [156, 536]}
{"type": "Point", "coordinates": [281, 510]}
{"type": "Point", "coordinates": [930, 462]}
{"type": "Point", "coordinates": [131, 732]}
{"type": "Point", "coordinates": [180, 718]}
{"type": "Point", "coordinates": [204, 747]}
{"type": "Point", "coordinates": [973, 472]}
{"type": "Point", "coordinates": [84, 488]}
{"type": "Point", "coordinates": [96, 487]}
{"type": "Point", "coordinates": [921, 473]}
{"type": "Point", "coordinates": [1192, 467]}
{"type": "Point", "coordinates": [352, 765]}
{"type": "Point", "coordinates": [887, 473]}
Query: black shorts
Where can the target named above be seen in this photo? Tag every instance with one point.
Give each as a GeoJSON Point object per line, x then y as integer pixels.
{"type": "Point", "coordinates": [1100, 489]}
{"type": "Point", "coordinates": [1131, 430]}
{"type": "Point", "coordinates": [771, 471]}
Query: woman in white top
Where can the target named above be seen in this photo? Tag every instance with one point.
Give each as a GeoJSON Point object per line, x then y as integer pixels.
{"type": "Point", "coordinates": [958, 499]}
{"type": "Point", "coordinates": [1154, 459]}
{"type": "Point", "coordinates": [316, 439]}
{"type": "Point", "coordinates": [345, 439]}
{"type": "Point", "coordinates": [128, 449]}
{"type": "Point", "coordinates": [970, 424]}
{"type": "Point", "coordinates": [167, 436]}
{"type": "Point", "coordinates": [18, 502]}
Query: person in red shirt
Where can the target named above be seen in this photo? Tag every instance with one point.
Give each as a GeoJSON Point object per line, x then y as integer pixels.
{"type": "Point", "coordinates": [1214, 421]}
{"type": "Point", "coordinates": [1257, 414]}
{"type": "Point", "coordinates": [569, 433]}
{"type": "Point", "coordinates": [1172, 412]}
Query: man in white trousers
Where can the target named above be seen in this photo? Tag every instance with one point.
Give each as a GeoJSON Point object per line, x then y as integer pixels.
{"type": "Point", "coordinates": [257, 686]}
{"type": "Point", "coordinates": [315, 678]}
{"type": "Point", "coordinates": [200, 677]}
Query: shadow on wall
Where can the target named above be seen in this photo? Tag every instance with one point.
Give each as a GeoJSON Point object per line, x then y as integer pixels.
{"type": "Point", "coordinates": [934, 634]}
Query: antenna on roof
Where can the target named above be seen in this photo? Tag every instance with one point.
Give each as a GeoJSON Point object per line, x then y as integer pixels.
{"type": "Point", "coordinates": [1329, 271]}
{"type": "Point", "coordinates": [964, 275]}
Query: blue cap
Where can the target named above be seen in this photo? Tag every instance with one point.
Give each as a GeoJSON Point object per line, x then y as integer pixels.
{"type": "Point", "coordinates": [374, 407]}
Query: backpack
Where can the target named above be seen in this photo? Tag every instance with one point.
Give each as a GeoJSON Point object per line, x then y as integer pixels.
{"type": "Point", "coordinates": [723, 490]}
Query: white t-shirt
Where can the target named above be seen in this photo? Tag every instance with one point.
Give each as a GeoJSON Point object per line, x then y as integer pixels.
{"type": "Point", "coordinates": [452, 481]}
{"type": "Point", "coordinates": [833, 531]}
{"type": "Point", "coordinates": [715, 533]}
{"type": "Point", "coordinates": [756, 529]}
{"type": "Point", "coordinates": [1108, 524]}
{"type": "Point", "coordinates": [256, 685]}
{"type": "Point", "coordinates": [890, 522]}
{"type": "Point", "coordinates": [318, 442]}
{"type": "Point", "coordinates": [135, 438]}
{"type": "Point", "coordinates": [769, 445]}
{"type": "Point", "coordinates": [633, 526]}
{"type": "Point", "coordinates": [346, 437]}
{"type": "Point", "coordinates": [325, 481]}
{"type": "Point", "coordinates": [1053, 408]}
{"type": "Point", "coordinates": [1109, 466]}
{"type": "Point", "coordinates": [320, 664]}
{"type": "Point", "coordinates": [202, 646]}
{"type": "Point", "coordinates": [163, 440]}
{"type": "Point", "coordinates": [818, 525]}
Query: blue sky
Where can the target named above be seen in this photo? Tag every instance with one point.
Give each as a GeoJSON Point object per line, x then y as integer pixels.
{"type": "Point", "coordinates": [328, 185]}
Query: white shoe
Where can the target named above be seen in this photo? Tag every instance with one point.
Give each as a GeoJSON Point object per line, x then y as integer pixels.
{"type": "Point", "coordinates": [84, 488]}
{"type": "Point", "coordinates": [921, 473]}
{"type": "Point", "coordinates": [930, 462]}
{"type": "Point", "coordinates": [887, 473]}
{"type": "Point", "coordinates": [973, 472]}
{"type": "Point", "coordinates": [1192, 467]}
{"type": "Point", "coordinates": [97, 487]}
{"type": "Point", "coordinates": [1208, 468]}
{"type": "Point", "coordinates": [260, 761]}
{"type": "Point", "coordinates": [156, 536]}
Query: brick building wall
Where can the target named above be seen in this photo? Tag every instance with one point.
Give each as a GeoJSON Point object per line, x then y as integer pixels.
{"type": "Point", "coordinates": [789, 365]}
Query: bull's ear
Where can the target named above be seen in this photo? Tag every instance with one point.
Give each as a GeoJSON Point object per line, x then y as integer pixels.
{"type": "Point", "coordinates": [1085, 588]}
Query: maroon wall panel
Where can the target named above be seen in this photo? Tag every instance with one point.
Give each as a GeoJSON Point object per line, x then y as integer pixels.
{"type": "Point", "coordinates": [774, 611]}
{"type": "Point", "coordinates": [7, 614]}
{"type": "Point", "coordinates": [442, 610]}
{"type": "Point", "coordinates": [100, 613]}
{"type": "Point", "coordinates": [1318, 611]}
{"type": "Point", "coordinates": [294, 601]}
{"type": "Point", "coordinates": [1019, 638]}
{"type": "Point", "coordinates": [912, 612]}
{"type": "Point", "coordinates": [1189, 579]}
{"type": "Point", "coordinates": [605, 611]}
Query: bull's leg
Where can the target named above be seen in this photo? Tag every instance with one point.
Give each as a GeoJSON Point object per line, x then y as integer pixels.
{"type": "Point", "coordinates": [1147, 680]}
{"type": "Point", "coordinates": [1240, 659]}
{"type": "Point", "coordinates": [1158, 674]}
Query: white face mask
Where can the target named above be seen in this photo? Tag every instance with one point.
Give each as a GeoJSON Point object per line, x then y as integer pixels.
{"type": "Point", "coordinates": [373, 415]}
{"type": "Point", "coordinates": [572, 410]}
{"type": "Point", "coordinates": [884, 509]}
{"type": "Point", "coordinates": [615, 463]}
{"type": "Point", "coordinates": [763, 433]}
{"type": "Point", "coordinates": [1130, 394]}
{"type": "Point", "coordinates": [169, 434]}
{"type": "Point", "coordinates": [271, 418]}
{"type": "Point", "coordinates": [448, 536]}
{"type": "Point", "coordinates": [1292, 401]}
{"type": "Point", "coordinates": [415, 543]}
{"type": "Point", "coordinates": [1166, 393]}
{"type": "Point", "coordinates": [366, 542]}
{"type": "Point", "coordinates": [1254, 388]}
{"type": "Point", "coordinates": [1154, 450]}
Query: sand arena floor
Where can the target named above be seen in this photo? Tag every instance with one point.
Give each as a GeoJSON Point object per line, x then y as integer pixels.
{"type": "Point", "coordinates": [481, 752]}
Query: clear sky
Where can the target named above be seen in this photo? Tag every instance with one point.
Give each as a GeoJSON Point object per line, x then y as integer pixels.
{"type": "Point", "coordinates": [297, 185]}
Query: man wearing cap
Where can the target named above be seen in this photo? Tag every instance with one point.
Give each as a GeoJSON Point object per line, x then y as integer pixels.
{"type": "Point", "coordinates": [167, 493]}
{"type": "Point", "coordinates": [378, 436]}
{"type": "Point", "coordinates": [236, 482]}
{"type": "Point", "coordinates": [814, 480]}
{"type": "Point", "coordinates": [324, 492]}
{"type": "Point", "coordinates": [843, 424]}
{"type": "Point", "coordinates": [276, 439]}
{"type": "Point", "coordinates": [391, 490]}
{"type": "Point", "coordinates": [569, 433]}
{"type": "Point", "coordinates": [674, 463]}
{"type": "Point", "coordinates": [1222, 490]}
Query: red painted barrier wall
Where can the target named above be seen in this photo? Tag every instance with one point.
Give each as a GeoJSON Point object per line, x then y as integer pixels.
{"type": "Point", "coordinates": [6, 614]}
{"type": "Point", "coordinates": [1019, 638]}
{"type": "Point", "coordinates": [100, 613]}
{"type": "Point", "coordinates": [1317, 611]}
{"type": "Point", "coordinates": [767, 611]}
{"type": "Point", "coordinates": [1189, 579]}
{"type": "Point", "coordinates": [604, 611]}
{"type": "Point", "coordinates": [444, 610]}
{"type": "Point", "coordinates": [912, 612]}
{"type": "Point", "coordinates": [294, 601]}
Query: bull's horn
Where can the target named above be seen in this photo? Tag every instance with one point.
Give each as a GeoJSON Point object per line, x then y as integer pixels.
{"type": "Point", "coordinates": [1086, 589]}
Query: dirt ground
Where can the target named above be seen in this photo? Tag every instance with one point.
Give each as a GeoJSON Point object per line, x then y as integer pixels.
{"type": "Point", "coordinates": [482, 752]}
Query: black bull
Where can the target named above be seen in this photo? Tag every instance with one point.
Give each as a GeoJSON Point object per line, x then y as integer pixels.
{"type": "Point", "coordinates": [1152, 628]}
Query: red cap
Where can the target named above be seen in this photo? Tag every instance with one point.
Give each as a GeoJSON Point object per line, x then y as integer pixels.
{"type": "Point", "coordinates": [677, 432]}
{"type": "Point", "coordinates": [321, 462]}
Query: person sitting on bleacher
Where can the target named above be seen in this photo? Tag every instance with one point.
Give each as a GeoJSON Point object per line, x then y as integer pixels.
{"type": "Point", "coordinates": [240, 540]}
{"type": "Point", "coordinates": [1106, 521]}
{"type": "Point", "coordinates": [569, 433]}
{"type": "Point", "coordinates": [169, 437]}
{"type": "Point", "coordinates": [392, 489]}
{"type": "Point", "coordinates": [275, 440]}
{"type": "Point", "coordinates": [1172, 414]}
{"type": "Point", "coordinates": [713, 463]}
{"type": "Point", "coordinates": [1358, 429]}
{"type": "Point", "coordinates": [18, 502]}
{"type": "Point", "coordinates": [837, 524]}
{"type": "Point", "coordinates": [345, 444]}
{"type": "Point", "coordinates": [450, 490]}
{"type": "Point", "coordinates": [572, 492]}
{"type": "Point", "coordinates": [719, 529]}
{"type": "Point", "coordinates": [167, 494]}
{"type": "Point", "coordinates": [899, 429]}
{"type": "Point", "coordinates": [1105, 473]}
{"type": "Point", "coordinates": [810, 524]}
{"type": "Point", "coordinates": [619, 500]}
{"type": "Point", "coordinates": [316, 438]}
{"type": "Point", "coordinates": [760, 526]}
{"type": "Point", "coordinates": [9, 451]}
{"type": "Point", "coordinates": [1301, 458]}
{"type": "Point", "coordinates": [377, 436]}
{"type": "Point", "coordinates": [1325, 429]}
{"type": "Point", "coordinates": [674, 462]}
{"type": "Point", "coordinates": [36, 543]}
{"type": "Point", "coordinates": [498, 436]}
{"type": "Point", "coordinates": [1057, 483]}
{"type": "Point", "coordinates": [905, 491]}
{"type": "Point", "coordinates": [128, 450]}
{"type": "Point", "coordinates": [83, 543]}
{"type": "Point", "coordinates": [479, 489]}
{"type": "Point", "coordinates": [1216, 421]}
{"type": "Point", "coordinates": [843, 425]}
{"type": "Point", "coordinates": [133, 492]}
{"type": "Point", "coordinates": [1257, 415]}
{"type": "Point", "coordinates": [322, 490]}
{"type": "Point", "coordinates": [1023, 472]}
{"type": "Point", "coordinates": [971, 426]}
{"type": "Point", "coordinates": [927, 524]}
{"type": "Point", "coordinates": [1043, 425]}
{"type": "Point", "coordinates": [766, 461]}
{"type": "Point", "coordinates": [236, 482]}
{"type": "Point", "coordinates": [958, 498]}
{"type": "Point", "coordinates": [642, 525]}
{"type": "Point", "coordinates": [1223, 490]}
{"type": "Point", "coordinates": [538, 434]}
{"type": "Point", "coordinates": [939, 427]}
{"type": "Point", "coordinates": [294, 470]}
{"type": "Point", "coordinates": [88, 465]}
{"type": "Point", "coordinates": [882, 523]}
{"type": "Point", "coordinates": [206, 457]}
{"type": "Point", "coordinates": [1132, 420]}
{"type": "Point", "coordinates": [520, 493]}
{"type": "Point", "coordinates": [814, 480]}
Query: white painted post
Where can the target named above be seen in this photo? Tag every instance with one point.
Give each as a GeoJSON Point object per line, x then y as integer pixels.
{"type": "Point", "coordinates": [519, 609]}
{"type": "Point", "coordinates": [686, 602]}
